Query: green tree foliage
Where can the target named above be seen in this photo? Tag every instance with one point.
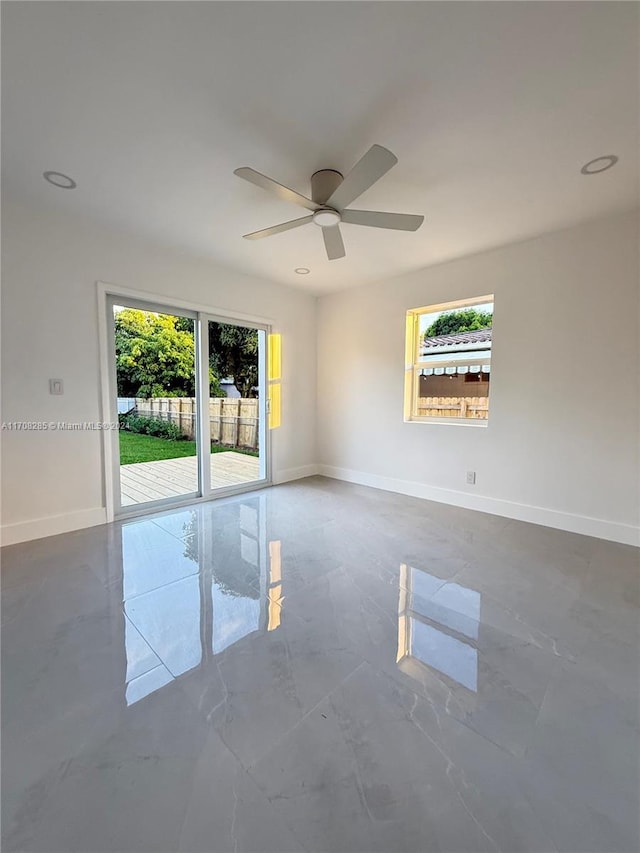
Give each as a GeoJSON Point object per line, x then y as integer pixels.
{"type": "Point", "coordinates": [236, 578]}
{"type": "Point", "coordinates": [233, 352]}
{"type": "Point", "coordinates": [462, 320]}
{"type": "Point", "coordinates": [155, 355]}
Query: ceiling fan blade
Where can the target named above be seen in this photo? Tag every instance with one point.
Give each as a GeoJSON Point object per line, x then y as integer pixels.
{"type": "Point", "coordinates": [278, 229]}
{"type": "Point", "coordinates": [374, 219]}
{"type": "Point", "coordinates": [333, 242]}
{"type": "Point", "coordinates": [375, 163]}
{"type": "Point", "coordinates": [275, 188]}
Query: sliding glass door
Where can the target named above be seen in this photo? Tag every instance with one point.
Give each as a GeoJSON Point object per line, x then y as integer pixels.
{"type": "Point", "coordinates": [156, 379]}
{"type": "Point", "coordinates": [235, 417]}
{"type": "Point", "coordinates": [190, 395]}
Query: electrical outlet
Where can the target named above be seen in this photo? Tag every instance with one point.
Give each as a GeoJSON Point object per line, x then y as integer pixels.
{"type": "Point", "coordinates": [471, 478]}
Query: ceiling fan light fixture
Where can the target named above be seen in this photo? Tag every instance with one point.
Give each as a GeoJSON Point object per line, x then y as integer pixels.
{"type": "Point", "coordinates": [326, 217]}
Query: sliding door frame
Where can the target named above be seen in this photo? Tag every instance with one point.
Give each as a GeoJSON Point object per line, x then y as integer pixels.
{"type": "Point", "coordinates": [205, 424]}
{"type": "Point", "coordinates": [119, 510]}
{"type": "Point", "coordinates": [107, 296]}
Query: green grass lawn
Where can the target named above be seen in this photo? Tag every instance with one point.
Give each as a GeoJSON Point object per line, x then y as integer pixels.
{"type": "Point", "coordinates": [147, 448]}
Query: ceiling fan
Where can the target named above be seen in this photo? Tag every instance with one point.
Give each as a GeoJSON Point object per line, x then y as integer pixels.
{"type": "Point", "coordinates": [331, 194]}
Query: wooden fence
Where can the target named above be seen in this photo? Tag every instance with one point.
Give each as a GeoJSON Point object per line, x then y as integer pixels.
{"type": "Point", "coordinates": [453, 407]}
{"type": "Point", "coordinates": [234, 420]}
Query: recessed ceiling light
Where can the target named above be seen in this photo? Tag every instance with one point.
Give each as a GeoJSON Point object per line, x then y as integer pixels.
{"type": "Point", "coordinates": [302, 270]}
{"type": "Point", "coordinates": [64, 182]}
{"type": "Point", "coordinates": [600, 164]}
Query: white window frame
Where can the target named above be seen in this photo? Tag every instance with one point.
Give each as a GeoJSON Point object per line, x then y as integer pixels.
{"type": "Point", "coordinates": [413, 363]}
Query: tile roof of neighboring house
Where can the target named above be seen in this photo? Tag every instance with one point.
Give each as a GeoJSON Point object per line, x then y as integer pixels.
{"type": "Point", "coordinates": [476, 337]}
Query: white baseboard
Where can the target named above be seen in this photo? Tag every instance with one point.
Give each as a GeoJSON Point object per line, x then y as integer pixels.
{"type": "Point", "coordinates": [598, 527]}
{"type": "Point", "coordinates": [37, 528]}
{"type": "Point", "coordinates": [288, 474]}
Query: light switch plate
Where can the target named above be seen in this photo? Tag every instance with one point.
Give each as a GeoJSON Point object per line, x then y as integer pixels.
{"type": "Point", "coordinates": [56, 386]}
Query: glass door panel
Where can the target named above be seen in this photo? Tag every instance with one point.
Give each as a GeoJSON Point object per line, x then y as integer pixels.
{"type": "Point", "coordinates": [157, 382]}
{"type": "Point", "coordinates": [236, 404]}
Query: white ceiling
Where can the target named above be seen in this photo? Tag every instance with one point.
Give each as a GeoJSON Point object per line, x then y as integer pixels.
{"type": "Point", "coordinates": [491, 109]}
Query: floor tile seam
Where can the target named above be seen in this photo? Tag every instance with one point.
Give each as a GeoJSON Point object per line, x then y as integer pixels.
{"type": "Point", "coordinates": [444, 707]}
{"type": "Point", "coordinates": [303, 848]}
{"type": "Point", "coordinates": [160, 665]}
{"type": "Point", "coordinates": [450, 762]}
{"type": "Point", "coordinates": [604, 609]}
{"type": "Point", "coordinates": [210, 720]}
{"type": "Point", "coordinates": [69, 713]}
{"type": "Point", "coordinates": [61, 772]}
{"type": "Point", "coordinates": [190, 794]}
{"type": "Point", "coordinates": [547, 825]}
{"type": "Point", "coordinates": [553, 650]}
{"type": "Point", "coordinates": [116, 690]}
{"type": "Point", "coordinates": [534, 725]}
{"type": "Point", "coordinates": [220, 734]}
{"type": "Point", "coordinates": [285, 735]}
{"type": "Point", "coordinates": [445, 582]}
{"type": "Point", "coordinates": [273, 808]}
{"type": "Point", "coordinates": [162, 546]}
{"type": "Point", "coordinates": [466, 564]}
{"type": "Point", "coordinates": [164, 530]}
{"type": "Point", "coordinates": [118, 581]}
{"type": "Point", "coordinates": [536, 722]}
{"type": "Point", "coordinates": [392, 620]}
{"type": "Point", "coordinates": [161, 586]}
{"type": "Point", "coordinates": [148, 645]}
{"type": "Point", "coordinates": [154, 650]}
{"type": "Point", "coordinates": [304, 586]}
{"type": "Point", "coordinates": [356, 770]}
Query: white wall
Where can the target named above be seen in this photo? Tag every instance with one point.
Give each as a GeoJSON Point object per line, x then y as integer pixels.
{"type": "Point", "coordinates": [53, 481]}
{"type": "Point", "coordinates": [566, 308]}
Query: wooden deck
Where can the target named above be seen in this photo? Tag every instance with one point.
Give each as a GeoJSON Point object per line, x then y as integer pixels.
{"type": "Point", "coordinates": [168, 478]}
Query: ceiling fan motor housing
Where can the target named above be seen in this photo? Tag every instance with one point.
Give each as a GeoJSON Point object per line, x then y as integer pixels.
{"type": "Point", "coordinates": [323, 185]}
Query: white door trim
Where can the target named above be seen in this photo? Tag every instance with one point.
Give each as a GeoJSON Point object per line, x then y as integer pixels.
{"type": "Point", "coordinates": [221, 314]}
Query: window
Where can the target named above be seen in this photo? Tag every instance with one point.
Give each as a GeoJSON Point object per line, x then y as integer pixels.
{"type": "Point", "coordinates": [448, 362]}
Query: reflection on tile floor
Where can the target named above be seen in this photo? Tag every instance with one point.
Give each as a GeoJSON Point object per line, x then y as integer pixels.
{"type": "Point", "coordinates": [320, 667]}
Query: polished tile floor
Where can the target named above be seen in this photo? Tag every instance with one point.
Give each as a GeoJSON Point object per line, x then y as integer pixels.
{"type": "Point", "coordinates": [320, 667]}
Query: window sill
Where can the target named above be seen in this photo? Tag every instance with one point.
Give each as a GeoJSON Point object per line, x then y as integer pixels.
{"type": "Point", "coordinates": [468, 422]}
